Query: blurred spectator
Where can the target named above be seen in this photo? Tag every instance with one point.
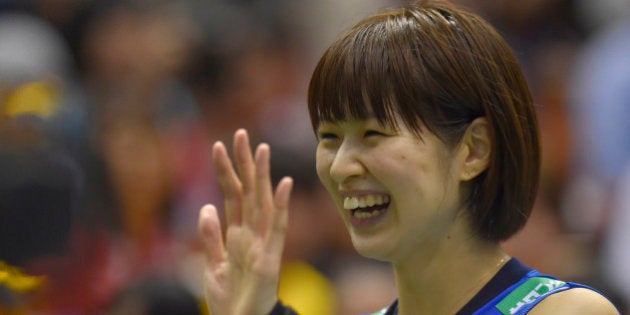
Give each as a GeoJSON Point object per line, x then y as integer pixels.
{"type": "Point", "coordinates": [39, 190]}
{"type": "Point", "coordinates": [600, 113]}
{"type": "Point", "coordinates": [34, 68]}
{"type": "Point", "coordinates": [254, 75]}
{"type": "Point", "coordinates": [120, 119]}
{"type": "Point", "coordinates": [39, 183]}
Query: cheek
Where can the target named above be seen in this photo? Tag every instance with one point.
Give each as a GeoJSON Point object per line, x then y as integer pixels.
{"type": "Point", "coordinates": [394, 171]}
{"type": "Point", "coordinates": [323, 161]}
{"type": "Point", "coordinates": [411, 179]}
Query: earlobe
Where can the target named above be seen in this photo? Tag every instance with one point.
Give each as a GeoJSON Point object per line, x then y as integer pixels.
{"type": "Point", "coordinates": [477, 148]}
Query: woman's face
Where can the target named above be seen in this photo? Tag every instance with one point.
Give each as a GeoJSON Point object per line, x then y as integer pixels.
{"type": "Point", "coordinates": [395, 192]}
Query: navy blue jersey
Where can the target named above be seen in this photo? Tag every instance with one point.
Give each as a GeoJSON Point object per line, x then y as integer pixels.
{"type": "Point", "coordinates": [514, 290]}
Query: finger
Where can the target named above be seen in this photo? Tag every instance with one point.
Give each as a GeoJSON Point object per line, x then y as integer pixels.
{"type": "Point", "coordinates": [275, 239]}
{"type": "Point", "coordinates": [264, 189]}
{"type": "Point", "coordinates": [246, 169]}
{"type": "Point", "coordinates": [229, 182]}
{"type": "Point", "coordinates": [209, 228]}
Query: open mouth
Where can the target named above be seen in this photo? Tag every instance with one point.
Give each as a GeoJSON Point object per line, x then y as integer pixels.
{"type": "Point", "coordinates": [366, 207]}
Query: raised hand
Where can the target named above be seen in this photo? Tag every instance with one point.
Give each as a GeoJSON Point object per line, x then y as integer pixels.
{"type": "Point", "coordinates": [242, 272]}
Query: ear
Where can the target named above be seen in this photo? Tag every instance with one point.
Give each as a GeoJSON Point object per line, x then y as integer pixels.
{"type": "Point", "coordinates": [475, 149]}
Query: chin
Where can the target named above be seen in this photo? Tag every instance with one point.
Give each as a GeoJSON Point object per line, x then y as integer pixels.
{"type": "Point", "coordinates": [371, 248]}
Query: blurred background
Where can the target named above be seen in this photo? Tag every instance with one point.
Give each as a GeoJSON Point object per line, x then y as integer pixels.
{"type": "Point", "coordinates": [108, 109]}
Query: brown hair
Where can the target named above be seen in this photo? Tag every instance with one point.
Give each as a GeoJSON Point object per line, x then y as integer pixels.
{"type": "Point", "coordinates": [440, 67]}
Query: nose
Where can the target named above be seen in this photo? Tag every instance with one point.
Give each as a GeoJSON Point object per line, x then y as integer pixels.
{"type": "Point", "coordinates": [346, 163]}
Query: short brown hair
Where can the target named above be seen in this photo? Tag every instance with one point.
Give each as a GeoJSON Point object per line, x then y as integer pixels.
{"type": "Point", "coordinates": [441, 67]}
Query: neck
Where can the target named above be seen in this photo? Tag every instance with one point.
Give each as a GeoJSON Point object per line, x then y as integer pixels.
{"type": "Point", "coordinates": [441, 280]}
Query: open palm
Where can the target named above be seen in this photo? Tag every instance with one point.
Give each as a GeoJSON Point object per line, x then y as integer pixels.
{"type": "Point", "coordinates": [242, 271]}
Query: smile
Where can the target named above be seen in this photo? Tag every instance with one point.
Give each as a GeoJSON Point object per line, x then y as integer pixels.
{"type": "Point", "coordinates": [351, 203]}
{"type": "Point", "coordinates": [366, 207]}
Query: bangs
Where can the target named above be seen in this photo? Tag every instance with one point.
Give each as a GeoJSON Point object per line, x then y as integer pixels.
{"type": "Point", "coordinates": [357, 77]}
{"type": "Point", "coordinates": [415, 65]}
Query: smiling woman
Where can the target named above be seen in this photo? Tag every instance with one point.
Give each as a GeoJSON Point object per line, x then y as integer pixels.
{"type": "Point", "coordinates": [439, 69]}
{"type": "Point", "coordinates": [429, 147]}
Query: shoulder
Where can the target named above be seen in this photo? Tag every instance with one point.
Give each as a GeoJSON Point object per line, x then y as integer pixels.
{"type": "Point", "coordinates": [575, 301]}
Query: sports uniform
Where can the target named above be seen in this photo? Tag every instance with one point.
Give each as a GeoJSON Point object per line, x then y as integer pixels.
{"type": "Point", "coordinates": [515, 289]}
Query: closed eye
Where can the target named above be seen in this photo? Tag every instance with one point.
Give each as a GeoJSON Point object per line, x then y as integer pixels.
{"type": "Point", "coordinates": [328, 136]}
{"type": "Point", "coordinates": [372, 133]}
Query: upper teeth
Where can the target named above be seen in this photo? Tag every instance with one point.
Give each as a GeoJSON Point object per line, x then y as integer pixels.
{"type": "Point", "coordinates": [350, 203]}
